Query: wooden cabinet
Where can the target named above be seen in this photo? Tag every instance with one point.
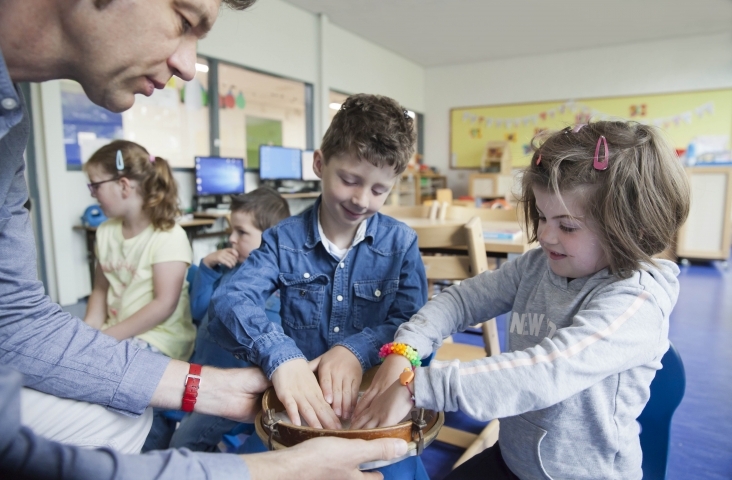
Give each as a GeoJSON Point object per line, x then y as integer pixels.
{"type": "Point", "coordinates": [707, 233]}
{"type": "Point", "coordinates": [487, 186]}
{"type": "Point", "coordinates": [414, 188]}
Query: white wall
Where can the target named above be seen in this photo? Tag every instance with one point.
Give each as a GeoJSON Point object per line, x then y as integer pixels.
{"type": "Point", "coordinates": [692, 63]}
{"type": "Point", "coordinates": [274, 37]}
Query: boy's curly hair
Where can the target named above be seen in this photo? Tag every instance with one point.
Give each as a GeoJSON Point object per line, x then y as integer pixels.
{"type": "Point", "coordinates": [372, 128]}
{"type": "Point", "coordinates": [636, 205]}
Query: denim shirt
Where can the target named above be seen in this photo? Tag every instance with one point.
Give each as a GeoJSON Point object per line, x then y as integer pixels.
{"type": "Point", "coordinates": [56, 353]}
{"type": "Point", "coordinates": [357, 302]}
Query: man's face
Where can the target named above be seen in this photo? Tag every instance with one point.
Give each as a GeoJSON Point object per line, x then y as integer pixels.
{"type": "Point", "coordinates": [135, 46]}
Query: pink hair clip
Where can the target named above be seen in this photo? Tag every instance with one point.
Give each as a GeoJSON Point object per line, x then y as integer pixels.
{"type": "Point", "coordinates": [538, 160]}
{"type": "Point", "coordinates": [596, 162]}
{"type": "Point", "coordinates": [152, 158]}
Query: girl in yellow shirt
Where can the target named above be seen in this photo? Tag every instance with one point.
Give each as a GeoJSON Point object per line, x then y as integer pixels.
{"type": "Point", "coordinates": [140, 289]}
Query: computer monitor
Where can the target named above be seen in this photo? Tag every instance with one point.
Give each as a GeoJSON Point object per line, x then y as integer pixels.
{"type": "Point", "coordinates": [219, 176]}
{"type": "Point", "coordinates": [279, 163]}
{"type": "Point", "coordinates": [307, 166]}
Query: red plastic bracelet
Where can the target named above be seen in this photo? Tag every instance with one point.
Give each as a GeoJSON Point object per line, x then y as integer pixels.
{"type": "Point", "coordinates": [192, 383]}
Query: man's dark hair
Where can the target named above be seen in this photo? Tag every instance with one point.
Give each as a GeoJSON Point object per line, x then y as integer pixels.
{"type": "Point", "coordinates": [233, 4]}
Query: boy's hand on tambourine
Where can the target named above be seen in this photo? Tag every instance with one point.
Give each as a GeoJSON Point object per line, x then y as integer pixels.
{"type": "Point", "coordinates": [339, 373]}
{"type": "Point", "coordinates": [387, 409]}
{"type": "Point", "coordinates": [299, 392]}
{"type": "Point", "coordinates": [388, 372]}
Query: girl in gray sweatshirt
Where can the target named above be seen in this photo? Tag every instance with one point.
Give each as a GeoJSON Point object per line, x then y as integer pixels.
{"type": "Point", "coordinates": [588, 314]}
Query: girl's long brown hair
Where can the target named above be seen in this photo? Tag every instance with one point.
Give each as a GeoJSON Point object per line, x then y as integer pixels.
{"type": "Point", "coordinates": [153, 175]}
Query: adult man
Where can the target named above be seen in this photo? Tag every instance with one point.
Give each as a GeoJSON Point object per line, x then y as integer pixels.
{"type": "Point", "coordinates": [115, 49]}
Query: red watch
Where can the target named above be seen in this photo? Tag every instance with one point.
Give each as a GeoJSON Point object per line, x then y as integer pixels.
{"type": "Point", "coordinates": [192, 383]}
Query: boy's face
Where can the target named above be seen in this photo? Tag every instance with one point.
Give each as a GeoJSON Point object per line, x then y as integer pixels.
{"type": "Point", "coordinates": [353, 189]}
{"type": "Point", "coordinates": [573, 248]}
{"type": "Point", "coordinates": [245, 237]}
{"type": "Point", "coordinates": [131, 47]}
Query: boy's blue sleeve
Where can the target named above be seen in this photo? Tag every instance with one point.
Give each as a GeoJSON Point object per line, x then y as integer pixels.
{"type": "Point", "coordinates": [204, 284]}
{"type": "Point", "coordinates": [410, 297]}
{"type": "Point", "coordinates": [237, 319]}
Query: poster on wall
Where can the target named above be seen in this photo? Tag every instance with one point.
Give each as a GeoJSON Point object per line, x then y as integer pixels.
{"type": "Point", "coordinates": [700, 118]}
{"type": "Point", "coordinates": [86, 126]}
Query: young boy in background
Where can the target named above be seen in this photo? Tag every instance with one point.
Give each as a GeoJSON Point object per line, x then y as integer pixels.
{"type": "Point", "coordinates": [347, 275]}
{"type": "Point", "coordinates": [251, 214]}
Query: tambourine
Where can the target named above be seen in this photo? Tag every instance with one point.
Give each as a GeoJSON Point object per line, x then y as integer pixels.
{"type": "Point", "coordinates": [418, 432]}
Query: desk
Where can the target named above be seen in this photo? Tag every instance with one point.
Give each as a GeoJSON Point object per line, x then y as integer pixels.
{"type": "Point", "coordinates": [507, 247]}
{"type": "Point", "coordinates": [190, 226]}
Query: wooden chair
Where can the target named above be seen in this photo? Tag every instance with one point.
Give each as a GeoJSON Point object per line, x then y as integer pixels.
{"type": "Point", "coordinates": [460, 267]}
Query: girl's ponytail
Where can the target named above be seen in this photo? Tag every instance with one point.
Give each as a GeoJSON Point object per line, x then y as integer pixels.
{"type": "Point", "coordinates": [161, 194]}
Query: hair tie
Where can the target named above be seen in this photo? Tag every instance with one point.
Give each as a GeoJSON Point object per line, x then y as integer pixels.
{"type": "Point", "coordinates": [120, 161]}
{"type": "Point", "coordinates": [601, 165]}
{"type": "Point", "coordinates": [152, 158]}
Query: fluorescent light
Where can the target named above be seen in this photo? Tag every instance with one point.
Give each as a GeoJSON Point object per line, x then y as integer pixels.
{"type": "Point", "coordinates": [335, 106]}
{"type": "Point", "coordinates": [201, 67]}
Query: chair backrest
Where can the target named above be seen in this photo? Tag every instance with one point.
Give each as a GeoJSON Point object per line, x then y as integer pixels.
{"type": "Point", "coordinates": [667, 390]}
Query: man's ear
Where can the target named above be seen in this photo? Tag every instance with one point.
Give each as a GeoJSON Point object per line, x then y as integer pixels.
{"type": "Point", "coordinates": [318, 163]}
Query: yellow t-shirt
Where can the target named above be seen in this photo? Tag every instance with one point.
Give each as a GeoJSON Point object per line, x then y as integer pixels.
{"type": "Point", "coordinates": [127, 265]}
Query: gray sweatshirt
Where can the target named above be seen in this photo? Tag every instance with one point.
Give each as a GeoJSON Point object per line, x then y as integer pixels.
{"type": "Point", "coordinates": [582, 355]}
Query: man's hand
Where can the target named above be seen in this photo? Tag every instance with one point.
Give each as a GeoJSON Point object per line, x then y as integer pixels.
{"type": "Point", "coordinates": [232, 393]}
{"type": "Point", "coordinates": [387, 409]}
{"type": "Point", "coordinates": [387, 374]}
{"type": "Point", "coordinates": [299, 392]}
{"type": "Point", "coordinates": [339, 373]}
{"type": "Point", "coordinates": [325, 457]}
{"type": "Point", "coordinates": [226, 257]}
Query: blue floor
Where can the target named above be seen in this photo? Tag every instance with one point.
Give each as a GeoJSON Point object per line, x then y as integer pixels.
{"type": "Point", "coordinates": [701, 432]}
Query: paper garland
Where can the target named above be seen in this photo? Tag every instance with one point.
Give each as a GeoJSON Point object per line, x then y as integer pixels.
{"type": "Point", "coordinates": [584, 113]}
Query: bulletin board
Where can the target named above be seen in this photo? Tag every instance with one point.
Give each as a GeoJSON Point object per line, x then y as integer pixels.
{"type": "Point", "coordinates": [683, 116]}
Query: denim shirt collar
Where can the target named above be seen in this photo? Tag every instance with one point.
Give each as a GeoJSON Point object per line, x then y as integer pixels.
{"type": "Point", "coordinates": [9, 117]}
{"type": "Point", "coordinates": [311, 217]}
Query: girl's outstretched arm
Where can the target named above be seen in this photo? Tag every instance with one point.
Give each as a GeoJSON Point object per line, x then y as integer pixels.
{"type": "Point", "coordinates": [167, 284]}
{"type": "Point", "coordinates": [96, 307]}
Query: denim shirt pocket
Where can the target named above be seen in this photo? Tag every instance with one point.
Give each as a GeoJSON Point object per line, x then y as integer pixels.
{"type": "Point", "coordinates": [5, 216]}
{"type": "Point", "coordinates": [302, 299]}
{"type": "Point", "coordinates": [372, 300]}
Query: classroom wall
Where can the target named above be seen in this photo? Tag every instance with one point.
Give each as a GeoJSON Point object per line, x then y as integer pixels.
{"type": "Point", "coordinates": [273, 37]}
{"type": "Point", "coordinates": [683, 64]}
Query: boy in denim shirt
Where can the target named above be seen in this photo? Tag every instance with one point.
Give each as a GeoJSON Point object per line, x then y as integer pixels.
{"type": "Point", "coordinates": [348, 276]}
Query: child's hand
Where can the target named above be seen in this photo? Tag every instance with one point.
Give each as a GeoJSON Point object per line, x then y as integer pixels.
{"type": "Point", "coordinates": [388, 372]}
{"type": "Point", "coordinates": [340, 375]}
{"type": "Point", "coordinates": [387, 409]}
{"type": "Point", "coordinates": [299, 392]}
{"type": "Point", "coordinates": [226, 257]}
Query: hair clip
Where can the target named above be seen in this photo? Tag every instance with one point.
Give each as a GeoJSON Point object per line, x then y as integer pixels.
{"type": "Point", "coordinates": [538, 160]}
{"type": "Point", "coordinates": [152, 158]}
{"type": "Point", "coordinates": [120, 161]}
{"type": "Point", "coordinates": [597, 163]}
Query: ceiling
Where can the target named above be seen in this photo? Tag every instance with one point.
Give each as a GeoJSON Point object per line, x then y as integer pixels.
{"type": "Point", "coordinates": [446, 32]}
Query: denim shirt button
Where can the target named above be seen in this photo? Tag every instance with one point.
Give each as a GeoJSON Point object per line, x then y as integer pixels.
{"type": "Point", "coordinates": [336, 329]}
{"type": "Point", "coordinates": [377, 293]}
{"type": "Point", "coordinates": [342, 265]}
{"type": "Point", "coordinates": [9, 103]}
{"type": "Point", "coordinates": [339, 298]}
{"type": "Point", "coordinates": [306, 275]}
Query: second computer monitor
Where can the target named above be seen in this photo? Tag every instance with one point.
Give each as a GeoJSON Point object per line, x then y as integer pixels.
{"type": "Point", "coordinates": [307, 166]}
{"type": "Point", "coordinates": [279, 163]}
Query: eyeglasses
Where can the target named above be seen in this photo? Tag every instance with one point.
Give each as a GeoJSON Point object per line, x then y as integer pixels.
{"type": "Point", "coordinates": [93, 187]}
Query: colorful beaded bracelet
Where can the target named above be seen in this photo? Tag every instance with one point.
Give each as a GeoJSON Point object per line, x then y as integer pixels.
{"type": "Point", "coordinates": [400, 349]}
